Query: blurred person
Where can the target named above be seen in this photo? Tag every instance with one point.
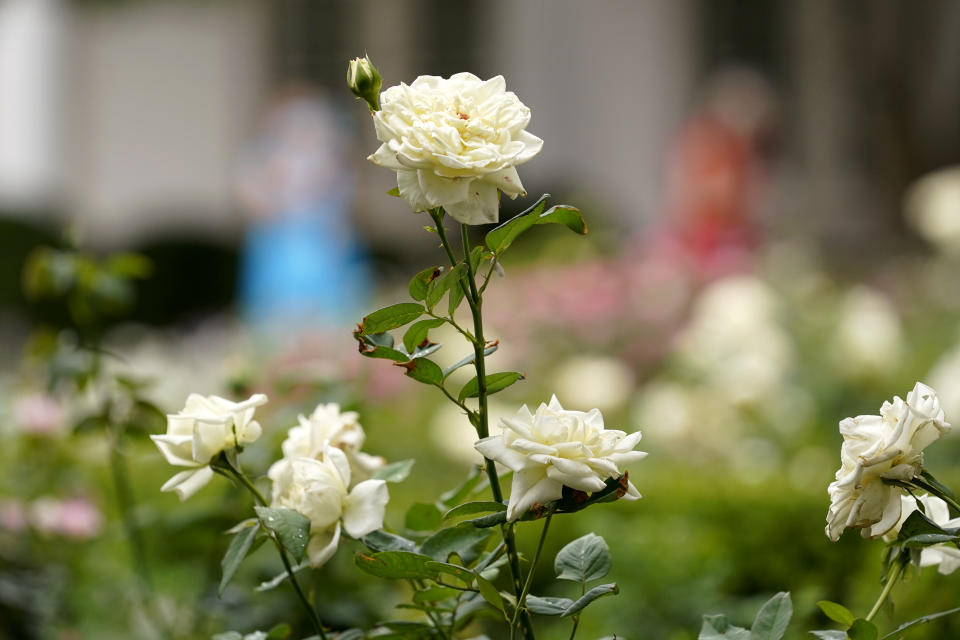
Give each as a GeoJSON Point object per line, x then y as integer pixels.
{"type": "Point", "coordinates": [302, 265]}
{"type": "Point", "coordinates": [715, 171]}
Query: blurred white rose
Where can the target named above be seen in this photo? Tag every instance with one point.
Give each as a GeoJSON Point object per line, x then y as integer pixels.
{"type": "Point", "coordinates": [328, 425]}
{"type": "Point", "coordinates": [599, 381]}
{"type": "Point", "coordinates": [734, 341]}
{"type": "Point", "coordinates": [888, 446]}
{"type": "Point", "coordinates": [318, 489]}
{"type": "Point", "coordinates": [453, 143]}
{"type": "Point", "coordinates": [944, 556]}
{"type": "Point", "coordinates": [868, 341]}
{"type": "Point", "coordinates": [206, 426]}
{"type": "Point", "coordinates": [555, 448]}
{"type": "Point", "coordinates": [933, 208]}
{"type": "Point", "coordinates": [945, 378]}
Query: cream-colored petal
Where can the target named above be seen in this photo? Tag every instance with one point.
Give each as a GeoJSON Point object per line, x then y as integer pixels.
{"type": "Point", "coordinates": [364, 508]}
{"type": "Point", "coordinates": [322, 545]}
{"type": "Point", "coordinates": [187, 483]}
{"type": "Point", "coordinates": [531, 486]}
{"type": "Point", "coordinates": [481, 206]}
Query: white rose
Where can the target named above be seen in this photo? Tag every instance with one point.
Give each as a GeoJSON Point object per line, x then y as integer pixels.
{"type": "Point", "coordinates": [944, 556]}
{"type": "Point", "coordinates": [453, 143]}
{"type": "Point", "coordinates": [555, 448]}
{"type": "Point", "coordinates": [328, 425]}
{"type": "Point", "coordinates": [888, 446]}
{"type": "Point", "coordinates": [318, 490]}
{"type": "Point", "coordinates": [205, 427]}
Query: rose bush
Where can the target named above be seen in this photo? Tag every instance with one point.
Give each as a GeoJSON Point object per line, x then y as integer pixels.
{"type": "Point", "coordinates": [206, 426]}
{"type": "Point", "coordinates": [877, 448]}
{"type": "Point", "coordinates": [319, 489]}
{"type": "Point", "coordinates": [453, 143]}
{"type": "Point", "coordinates": [556, 447]}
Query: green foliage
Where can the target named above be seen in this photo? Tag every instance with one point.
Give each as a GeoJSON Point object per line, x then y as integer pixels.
{"type": "Point", "coordinates": [468, 360]}
{"type": "Point", "coordinates": [416, 335]}
{"type": "Point", "coordinates": [499, 239]}
{"type": "Point", "coordinates": [473, 508]}
{"type": "Point", "coordinates": [240, 546]}
{"type": "Point", "coordinates": [396, 565]}
{"type": "Point", "coordinates": [495, 382]}
{"type": "Point", "coordinates": [291, 528]}
{"type": "Point", "coordinates": [395, 471]}
{"type": "Point", "coordinates": [837, 612]}
{"type": "Point", "coordinates": [461, 540]}
{"type": "Point", "coordinates": [391, 317]}
{"type": "Point", "coordinates": [862, 630]}
{"type": "Point", "coordinates": [770, 623]}
{"type": "Point", "coordinates": [585, 559]}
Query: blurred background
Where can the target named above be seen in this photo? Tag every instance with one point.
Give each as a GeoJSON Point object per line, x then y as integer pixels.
{"type": "Point", "coordinates": [773, 192]}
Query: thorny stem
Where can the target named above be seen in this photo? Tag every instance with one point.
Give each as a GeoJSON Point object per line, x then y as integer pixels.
{"type": "Point", "coordinates": [891, 580]}
{"type": "Point", "coordinates": [260, 500]}
{"type": "Point", "coordinates": [526, 585]}
{"type": "Point", "coordinates": [475, 301]}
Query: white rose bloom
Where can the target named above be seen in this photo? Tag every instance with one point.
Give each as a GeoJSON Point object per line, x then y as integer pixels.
{"type": "Point", "coordinates": [888, 446]}
{"type": "Point", "coordinates": [555, 448]}
{"type": "Point", "coordinates": [328, 425]}
{"type": "Point", "coordinates": [944, 556]}
{"type": "Point", "coordinates": [318, 489]}
{"type": "Point", "coordinates": [206, 426]}
{"type": "Point", "coordinates": [454, 142]}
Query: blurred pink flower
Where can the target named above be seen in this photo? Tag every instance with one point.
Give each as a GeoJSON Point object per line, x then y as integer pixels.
{"type": "Point", "coordinates": [13, 517]}
{"type": "Point", "coordinates": [39, 414]}
{"type": "Point", "coordinates": [76, 517]}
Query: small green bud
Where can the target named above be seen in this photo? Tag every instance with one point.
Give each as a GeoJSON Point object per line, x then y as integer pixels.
{"type": "Point", "coordinates": [364, 81]}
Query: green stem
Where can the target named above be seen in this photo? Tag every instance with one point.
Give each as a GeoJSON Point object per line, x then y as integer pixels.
{"type": "Point", "coordinates": [891, 580]}
{"type": "Point", "coordinates": [121, 482]}
{"type": "Point", "coordinates": [475, 302]}
{"type": "Point", "coordinates": [241, 477]}
{"type": "Point", "coordinates": [526, 585]}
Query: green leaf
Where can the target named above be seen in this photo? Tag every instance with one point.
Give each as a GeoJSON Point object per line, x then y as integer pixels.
{"type": "Point", "coordinates": [279, 632]}
{"type": "Point", "coordinates": [379, 345]}
{"type": "Point", "coordinates": [468, 360]}
{"type": "Point", "coordinates": [460, 540]}
{"type": "Point", "coordinates": [716, 627]}
{"type": "Point", "coordinates": [421, 281]}
{"type": "Point", "coordinates": [491, 594]}
{"type": "Point", "coordinates": [240, 545]}
{"type": "Point", "coordinates": [586, 558]}
{"type": "Point", "coordinates": [455, 298]}
{"type": "Point", "coordinates": [439, 286]}
{"type": "Point", "coordinates": [391, 317]}
{"type": "Point", "coordinates": [772, 619]}
{"type": "Point", "coordinates": [455, 495]}
{"type": "Point", "coordinates": [569, 217]}
{"type": "Point", "coordinates": [228, 635]}
{"type": "Point", "coordinates": [395, 471]}
{"type": "Point", "coordinates": [395, 565]}
{"type": "Point", "coordinates": [495, 382]}
{"type": "Point", "coordinates": [473, 508]}
{"type": "Point", "coordinates": [380, 540]}
{"type": "Point", "coordinates": [491, 520]}
{"type": "Point", "coordinates": [941, 490]}
{"type": "Point", "coordinates": [862, 630]}
{"type": "Point", "coordinates": [463, 575]}
{"type": "Point", "coordinates": [422, 517]}
{"type": "Point", "coordinates": [434, 594]}
{"type": "Point", "coordinates": [830, 635]}
{"type": "Point", "coordinates": [921, 620]}
{"type": "Point", "coordinates": [918, 524]}
{"type": "Point", "coordinates": [591, 595]}
{"type": "Point", "coordinates": [476, 254]}
{"type": "Point", "coordinates": [417, 333]}
{"type": "Point", "coordinates": [395, 192]}
{"type": "Point", "coordinates": [928, 539]}
{"type": "Point", "coordinates": [501, 237]}
{"type": "Point", "coordinates": [548, 606]}
{"type": "Point", "coordinates": [423, 370]}
{"type": "Point", "coordinates": [291, 528]}
{"type": "Point", "coordinates": [837, 612]}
